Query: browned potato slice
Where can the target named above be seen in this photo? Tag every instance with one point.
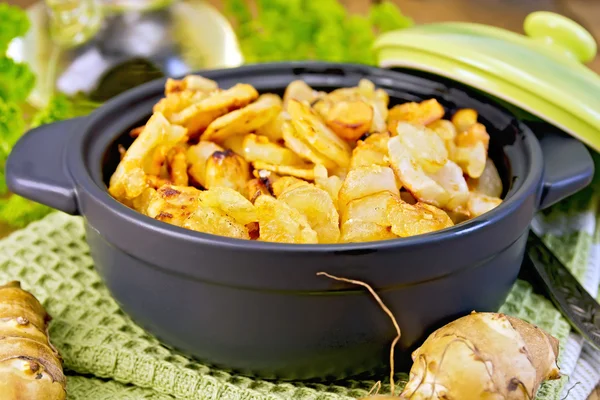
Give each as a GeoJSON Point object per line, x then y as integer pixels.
{"type": "Point", "coordinates": [284, 183]}
{"type": "Point", "coordinates": [412, 176]}
{"type": "Point", "coordinates": [356, 231]}
{"type": "Point", "coordinates": [479, 204]}
{"type": "Point", "coordinates": [214, 221]}
{"type": "Point", "coordinates": [235, 143]}
{"type": "Point", "coordinates": [350, 119]}
{"type": "Point", "coordinates": [451, 178]}
{"type": "Point", "coordinates": [231, 202]}
{"type": "Point", "coordinates": [314, 131]}
{"type": "Point", "coordinates": [244, 120]}
{"type": "Point", "coordinates": [197, 157]}
{"type": "Point", "coordinates": [463, 119]}
{"type": "Point", "coordinates": [198, 116]}
{"type": "Point", "coordinates": [471, 159]}
{"type": "Point", "coordinates": [489, 183]}
{"type": "Point", "coordinates": [410, 220]}
{"type": "Point", "coordinates": [259, 148]}
{"type": "Point", "coordinates": [227, 169]}
{"type": "Point", "coordinates": [372, 208]}
{"type": "Point", "coordinates": [173, 204]}
{"type": "Point", "coordinates": [423, 113]}
{"type": "Point", "coordinates": [273, 129]}
{"type": "Point", "coordinates": [364, 181]}
{"type": "Point", "coordinates": [300, 171]}
{"type": "Point", "coordinates": [371, 151]}
{"type": "Point", "coordinates": [294, 142]}
{"type": "Point", "coordinates": [317, 206]}
{"type": "Point", "coordinates": [192, 83]}
{"type": "Point", "coordinates": [129, 179]}
{"type": "Point", "coordinates": [281, 223]}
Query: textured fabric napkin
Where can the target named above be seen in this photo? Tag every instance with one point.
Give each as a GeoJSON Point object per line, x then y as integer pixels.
{"type": "Point", "coordinates": [108, 357]}
{"type": "Point", "coordinates": [572, 231]}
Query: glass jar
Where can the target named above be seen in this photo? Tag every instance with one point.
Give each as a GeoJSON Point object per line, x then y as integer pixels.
{"type": "Point", "coordinates": [99, 48]}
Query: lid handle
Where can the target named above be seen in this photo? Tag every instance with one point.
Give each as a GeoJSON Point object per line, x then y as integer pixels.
{"type": "Point", "coordinates": [562, 34]}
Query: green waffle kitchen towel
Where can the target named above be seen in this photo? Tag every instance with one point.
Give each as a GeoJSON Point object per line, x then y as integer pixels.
{"type": "Point", "coordinates": [108, 357]}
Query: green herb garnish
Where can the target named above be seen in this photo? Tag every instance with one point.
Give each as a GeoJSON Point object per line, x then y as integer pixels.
{"type": "Point", "coordinates": [281, 30]}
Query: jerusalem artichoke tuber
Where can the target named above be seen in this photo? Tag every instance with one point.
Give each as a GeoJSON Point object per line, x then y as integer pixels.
{"type": "Point", "coordinates": [483, 356]}
{"type": "Point", "coordinates": [30, 367]}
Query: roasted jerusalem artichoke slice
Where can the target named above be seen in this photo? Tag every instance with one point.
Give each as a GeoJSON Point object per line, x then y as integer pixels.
{"type": "Point", "coordinates": [411, 220]}
{"type": "Point", "coordinates": [214, 221]}
{"type": "Point", "coordinates": [173, 204]}
{"type": "Point", "coordinates": [299, 90]}
{"type": "Point", "coordinates": [371, 151]}
{"type": "Point", "coordinates": [227, 169]}
{"type": "Point", "coordinates": [231, 203]}
{"type": "Point", "coordinates": [451, 178]}
{"type": "Point", "coordinates": [222, 212]}
{"type": "Point", "coordinates": [315, 132]}
{"type": "Point", "coordinates": [364, 181]}
{"type": "Point", "coordinates": [356, 231]}
{"type": "Point", "coordinates": [281, 223]}
{"type": "Point", "coordinates": [284, 183]}
{"type": "Point", "coordinates": [30, 367]}
{"type": "Point", "coordinates": [317, 206]}
{"type": "Point", "coordinates": [350, 119]}
{"type": "Point", "coordinates": [423, 113]}
{"type": "Point", "coordinates": [180, 94]}
{"type": "Point", "coordinates": [331, 184]}
{"type": "Point", "coordinates": [479, 203]}
{"type": "Point", "coordinates": [198, 116]}
{"type": "Point", "coordinates": [244, 120]}
{"type": "Point", "coordinates": [192, 83]}
{"type": "Point", "coordinates": [260, 148]}
{"type": "Point", "coordinates": [297, 144]}
{"type": "Point", "coordinates": [489, 183]}
{"type": "Point", "coordinates": [130, 178]}
{"type": "Point", "coordinates": [471, 159]}
{"type": "Point", "coordinates": [305, 171]}
{"type": "Point", "coordinates": [197, 156]}
{"type": "Point", "coordinates": [412, 175]}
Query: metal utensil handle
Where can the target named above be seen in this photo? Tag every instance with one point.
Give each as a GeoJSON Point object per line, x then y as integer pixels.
{"type": "Point", "coordinates": [573, 301]}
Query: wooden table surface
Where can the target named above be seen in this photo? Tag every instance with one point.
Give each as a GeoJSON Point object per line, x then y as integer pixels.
{"type": "Point", "coordinates": [508, 14]}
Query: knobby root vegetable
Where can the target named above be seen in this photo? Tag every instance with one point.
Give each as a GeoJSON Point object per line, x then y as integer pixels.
{"type": "Point", "coordinates": [30, 367]}
{"type": "Point", "coordinates": [483, 356]}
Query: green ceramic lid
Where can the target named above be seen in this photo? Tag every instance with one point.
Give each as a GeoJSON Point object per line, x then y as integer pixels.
{"type": "Point", "coordinates": [542, 73]}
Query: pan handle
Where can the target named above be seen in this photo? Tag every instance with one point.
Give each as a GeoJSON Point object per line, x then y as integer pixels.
{"type": "Point", "coordinates": [568, 167]}
{"type": "Point", "coordinates": [36, 167]}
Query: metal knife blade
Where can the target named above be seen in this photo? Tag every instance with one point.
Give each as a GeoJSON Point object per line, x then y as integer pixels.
{"type": "Point", "coordinates": [573, 301]}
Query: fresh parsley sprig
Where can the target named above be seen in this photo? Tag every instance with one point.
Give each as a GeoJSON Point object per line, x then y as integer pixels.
{"type": "Point", "coordinates": [278, 30]}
